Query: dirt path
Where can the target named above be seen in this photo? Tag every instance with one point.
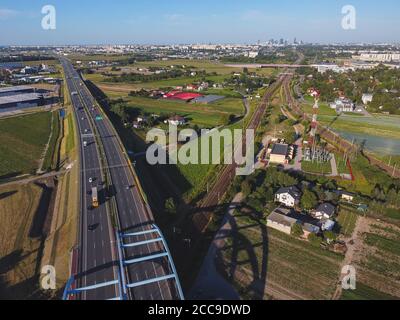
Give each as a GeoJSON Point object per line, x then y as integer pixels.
{"type": "Point", "coordinates": [362, 226]}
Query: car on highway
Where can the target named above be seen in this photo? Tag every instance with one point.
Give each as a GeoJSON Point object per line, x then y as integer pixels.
{"type": "Point", "coordinates": [92, 227]}
{"type": "Point", "coordinates": [90, 180]}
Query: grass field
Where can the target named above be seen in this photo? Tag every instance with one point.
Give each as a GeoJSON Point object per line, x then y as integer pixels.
{"type": "Point", "coordinates": [324, 109]}
{"type": "Point", "coordinates": [347, 220]}
{"type": "Point", "coordinates": [364, 292]}
{"type": "Point", "coordinates": [378, 262]}
{"type": "Point", "coordinates": [316, 167]}
{"type": "Point", "coordinates": [52, 151]}
{"type": "Point", "coordinates": [19, 253]}
{"type": "Point", "coordinates": [98, 78]}
{"type": "Point", "coordinates": [275, 264]}
{"type": "Point", "coordinates": [22, 142]}
{"type": "Point", "coordinates": [382, 126]}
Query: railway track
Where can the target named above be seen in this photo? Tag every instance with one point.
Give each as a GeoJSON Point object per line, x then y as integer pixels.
{"type": "Point", "coordinates": [226, 176]}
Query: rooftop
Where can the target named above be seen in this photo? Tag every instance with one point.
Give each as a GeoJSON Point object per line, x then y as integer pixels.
{"type": "Point", "coordinates": [25, 97]}
{"type": "Point", "coordinates": [15, 88]}
{"type": "Point", "coordinates": [327, 208]}
{"type": "Point", "coordinates": [293, 191]}
{"type": "Point", "coordinates": [280, 149]}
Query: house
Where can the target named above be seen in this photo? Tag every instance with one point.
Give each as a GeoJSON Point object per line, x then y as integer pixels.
{"type": "Point", "coordinates": [344, 195]}
{"type": "Point", "coordinates": [343, 105]}
{"type": "Point", "coordinates": [279, 153]}
{"type": "Point", "coordinates": [139, 122]}
{"type": "Point", "coordinates": [279, 220]}
{"type": "Point", "coordinates": [191, 87]}
{"type": "Point", "coordinates": [283, 219]}
{"type": "Point", "coordinates": [136, 124]}
{"type": "Point", "coordinates": [288, 196]}
{"type": "Point", "coordinates": [176, 121]}
{"type": "Point", "coordinates": [324, 211]}
{"type": "Point", "coordinates": [141, 119]}
{"type": "Point", "coordinates": [367, 98]}
{"type": "Point", "coordinates": [327, 225]}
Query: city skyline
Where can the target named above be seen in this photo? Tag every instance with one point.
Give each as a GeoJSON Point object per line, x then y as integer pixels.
{"type": "Point", "coordinates": [91, 23]}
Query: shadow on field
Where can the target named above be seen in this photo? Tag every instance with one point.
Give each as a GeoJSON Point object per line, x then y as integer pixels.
{"type": "Point", "coordinates": [10, 175]}
{"type": "Point", "coordinates": [5, 195]}
{"type": "Point", "coordinates": [40, 215]}
{"type": "Point", "coordinates": [159, 182]}
{"type": "Point", "coordinates": [240, 243]}
{"type": "Point", "coordinates": [8, 262]}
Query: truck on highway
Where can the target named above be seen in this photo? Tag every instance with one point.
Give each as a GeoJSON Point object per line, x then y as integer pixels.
{"type": "Point", "coordinates": [95, 199]}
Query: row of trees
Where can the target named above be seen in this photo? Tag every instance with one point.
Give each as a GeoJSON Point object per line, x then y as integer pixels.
{"type": "Point", "coordinates": [383, 82]}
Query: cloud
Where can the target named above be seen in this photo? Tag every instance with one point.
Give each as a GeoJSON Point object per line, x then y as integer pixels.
{"type": "Point", "coordinates": [7, 13]}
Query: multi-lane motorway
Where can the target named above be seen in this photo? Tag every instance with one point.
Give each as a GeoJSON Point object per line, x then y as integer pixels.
{"type": "Point", "coordinates": [121, 208]}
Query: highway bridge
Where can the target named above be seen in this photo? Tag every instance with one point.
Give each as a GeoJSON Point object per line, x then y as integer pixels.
{"type": "Point", "coordinates": [121, 253]}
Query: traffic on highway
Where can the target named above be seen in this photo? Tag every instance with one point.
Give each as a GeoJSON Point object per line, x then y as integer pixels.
{"type": "Point", "coordinates": [112, 206]}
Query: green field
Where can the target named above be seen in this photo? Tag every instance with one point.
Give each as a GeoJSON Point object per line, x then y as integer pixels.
{"type": "Point", "coordinates": [388, 127]}
{"type": "Point", "coordinates": [200, 114]}
{"type": "Point", "coordinates": [51, 154]}
{"type": "Point", "coordinates": [183, 81]}
{"type": "Point", "coordinates": [268, 257]}
{"type": "Point", "coordinates": [324, 109]}
{"type": "Point", "coordinates": [379, 266]}
{"type": "Point", "coordinates": [364, 292]}
{"type": "Point", "coordinates": [207, 65]}
{"type": "Point", "coordinates": [316, 167]}
{"type": "Point", "coordinates": [22, 142]}
{"type": "Point", "coordinates": [347, 220]}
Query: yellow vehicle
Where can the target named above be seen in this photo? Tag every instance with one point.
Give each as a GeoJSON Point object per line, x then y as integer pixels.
{"type": "Point", "coordinates": [95, 199]}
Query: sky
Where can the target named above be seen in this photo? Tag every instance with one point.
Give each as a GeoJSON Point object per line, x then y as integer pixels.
{"type": "Point", "coordinates": [195, 21]}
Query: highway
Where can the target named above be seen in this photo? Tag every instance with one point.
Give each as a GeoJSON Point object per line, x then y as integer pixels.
{"type": "Point", "coordinates": [120, 201]}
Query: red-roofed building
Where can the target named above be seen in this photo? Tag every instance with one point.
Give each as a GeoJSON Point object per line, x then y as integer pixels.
{"type": "Point", "coordinates": [185, 96]}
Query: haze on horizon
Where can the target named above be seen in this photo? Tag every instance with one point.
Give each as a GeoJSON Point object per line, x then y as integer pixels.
{"type": "Point", "coordinates": [175, 22]}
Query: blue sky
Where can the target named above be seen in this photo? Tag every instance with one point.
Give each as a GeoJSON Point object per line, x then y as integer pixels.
{"type": "Point", "coordinates": [194, 21]}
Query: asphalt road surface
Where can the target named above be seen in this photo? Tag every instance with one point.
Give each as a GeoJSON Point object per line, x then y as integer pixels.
{"type": "Point", "coordinates": [98, 255]}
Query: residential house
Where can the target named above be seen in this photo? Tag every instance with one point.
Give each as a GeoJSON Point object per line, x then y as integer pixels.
{"type": "Point", "coordinates": [367, 98]}
{"type": "Point", "coordinates": [343, 105]}
{"type": "Point", "coordinates": [283, 219]}
{"type": "Point", "coordinates": [288, 196]}
{"type": "Point", "coordinates": [324, 211]}
{"type": "Point", "coordinates": [176, 121]}
{"type": "Point", "coordinates": [344, 195]}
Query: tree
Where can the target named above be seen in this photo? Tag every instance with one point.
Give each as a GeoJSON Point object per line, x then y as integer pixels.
{"type": "Point", "coordinates": [170, 206]}
{"type": "Point", "coordinates": [246, 188]}
{"type": "Point", "coordinates": [308, 200]}
{"type": "Point", "coordinates": [329, 236]}
{"type": "Point", "coordinates": [297, 230]}
{"type": "Point", "coordinates": [393, 197]}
